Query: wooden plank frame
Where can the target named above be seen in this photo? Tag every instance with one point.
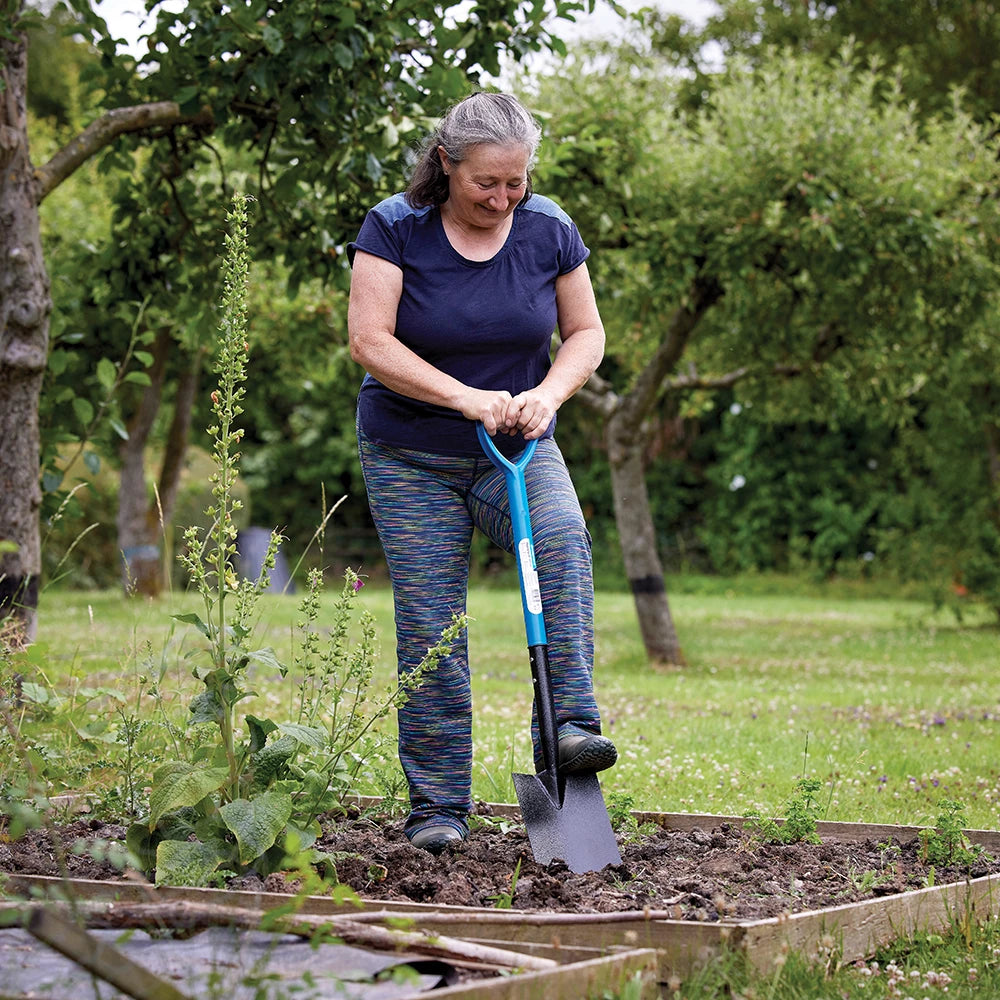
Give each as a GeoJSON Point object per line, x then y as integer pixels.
{"type": "Point", "coordinates": [844, 933]}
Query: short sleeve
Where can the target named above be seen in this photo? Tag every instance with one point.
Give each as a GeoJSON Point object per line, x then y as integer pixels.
{"type": "Point", "coordinates": [553, 227]}
{"type": "Point", "coordinates": [573, 252]}
{"type": "Point", "coordinates": [381, 232]}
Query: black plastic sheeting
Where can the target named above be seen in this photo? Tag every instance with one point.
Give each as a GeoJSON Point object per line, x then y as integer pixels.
{"type": "Point", "coordinates": [226, 963]}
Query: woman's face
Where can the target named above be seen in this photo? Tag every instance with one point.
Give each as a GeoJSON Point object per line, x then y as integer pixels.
{"type": "Point", "coordinates": [484, 189]}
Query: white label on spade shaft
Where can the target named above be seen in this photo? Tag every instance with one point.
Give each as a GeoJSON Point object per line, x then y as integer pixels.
{"type": "Point", "coordinates": [532, 592]}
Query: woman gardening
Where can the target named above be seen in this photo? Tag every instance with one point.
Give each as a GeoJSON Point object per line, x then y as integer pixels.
{"type": "Point", "coordinates": [456, 289]}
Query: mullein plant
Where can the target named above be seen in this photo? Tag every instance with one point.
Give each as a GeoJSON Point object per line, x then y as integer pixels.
{"type": "Point", "coordinates": [252, 798]}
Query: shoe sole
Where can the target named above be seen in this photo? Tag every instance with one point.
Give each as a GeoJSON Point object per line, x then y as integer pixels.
{"type": "Point", "coordinates": [595, 756]}
{"type": "Point", "coordinates": [438, 845]}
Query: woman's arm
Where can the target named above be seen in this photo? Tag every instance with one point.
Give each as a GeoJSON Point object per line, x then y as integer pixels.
{"type": "Point", "coordinates": [582, 334]}
{"type": "Point", "coordinates": [376, 286]}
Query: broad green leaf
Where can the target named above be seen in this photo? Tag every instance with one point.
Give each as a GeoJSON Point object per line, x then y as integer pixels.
{"type": "Point", "coordinates": [205, 707]}
{"type": "Point", "coordinates": [142, 842]}
{"type": "Point", "coordinates": [95, 731]}
{"type": "Point", "coordinates": [259, 730]}
{"type": "Point", "coordinates": [272, 39]}
{"type": "Point", "coordinates": [193, 619]}
{"type": "Point", "coordinates": [106, 373]}
{"type": "Point", "coordinates": [178, 784]}
{"type": "Point", "coordinates": [342, 56]}
{"type": "Point", "coordinates": [35, 693]}
{"type": "Point", "coordinates": [83, 410]}
{"type": "Point", "coordinates": [310, 736]}
{"type": "Point", "coordinates": [186, 862]}
{"type": "Point", "coordinates": [267, 657]}
{"type": "Point", "coordinates": [58, 361]}
{"type": "Point", "coordinates": [257, 822]}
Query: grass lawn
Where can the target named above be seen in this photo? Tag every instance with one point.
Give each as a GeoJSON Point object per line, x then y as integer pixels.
{"type": "Point", "coordinates": [892, 705]}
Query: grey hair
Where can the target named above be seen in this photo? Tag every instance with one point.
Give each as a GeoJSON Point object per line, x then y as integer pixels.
{"type": "Point", "coordinates": [494, 119]}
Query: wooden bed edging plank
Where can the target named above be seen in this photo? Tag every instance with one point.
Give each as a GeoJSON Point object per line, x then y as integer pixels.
{"type": "Point", "coordinates": [856, 930]}
{"type": "Point", "coordinates": [592, 977]}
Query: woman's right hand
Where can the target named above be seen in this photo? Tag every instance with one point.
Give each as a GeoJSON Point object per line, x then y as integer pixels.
{"type": "Point", "coordinates": [489, 407]}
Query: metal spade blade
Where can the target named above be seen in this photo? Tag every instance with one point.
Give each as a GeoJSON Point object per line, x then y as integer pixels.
{"type": "Point", "coordinates": [577, 830]}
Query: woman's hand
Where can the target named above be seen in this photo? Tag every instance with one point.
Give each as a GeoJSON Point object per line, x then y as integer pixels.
{"type": "Point", "coordinates": [530, 412]}
{"type": "Point", "coordinates": [488, 406]}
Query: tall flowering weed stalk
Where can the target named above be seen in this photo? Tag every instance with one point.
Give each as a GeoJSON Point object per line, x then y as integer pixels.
{"type": "Point", "coordinates": [252, 798]}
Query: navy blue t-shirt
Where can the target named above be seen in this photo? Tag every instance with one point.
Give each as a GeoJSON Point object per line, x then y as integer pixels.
{"type": "Point", "coordinates": [487, 323]}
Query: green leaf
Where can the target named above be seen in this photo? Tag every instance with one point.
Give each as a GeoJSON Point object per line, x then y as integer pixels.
{"type": "Point", "coordinates": [206, 707]}
{"type": "Point", "coordinates": [142, 842]}
{"type": "Point", "coordinates": [92, 461]}
{"type": "Point", "coordinates": [106, 373]}
{"type": "Point", "coordinates": [186, 862]}
{"type": "Point", "coordinates": [178, 784]}
{"type": "Point", "coordinates": [259, 730]}
{"type": "Point", "coordinates": [119, 428]}
{"type": "Point", "coordinates": [83, 410]}
{"type": "Point", "coordinates": [267, 657]}
{"type": "Point", "coordinates": [58, 361]}
{"type": "Point", "coordinates": [35, 693]}
{"type": "Point", "coordinates": [96, 730]}
{"type": "Point", "coordinates": [138, 378]}
{"type": "Point", "coordinates": [273, 41]}
{"type": "Point", "coordinates": [342, 56]}
{"type": "Point", "coordinates": [257, 822]}
{"type": "Point", "coordinates": [309, 736]}
{"type": "Point", "coordinates": [193, 619]}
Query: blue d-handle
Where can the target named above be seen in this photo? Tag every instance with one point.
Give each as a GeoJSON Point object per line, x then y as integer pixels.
{"type": "Point", "coordinates": [524, 546]}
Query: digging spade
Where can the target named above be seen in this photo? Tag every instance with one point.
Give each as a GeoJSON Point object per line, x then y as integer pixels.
{"type": "Point", "coordinates": [564, 814]}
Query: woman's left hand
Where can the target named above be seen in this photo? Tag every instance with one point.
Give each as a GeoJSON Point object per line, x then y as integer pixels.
{"type": "Point", "coordinates": [529, 412]}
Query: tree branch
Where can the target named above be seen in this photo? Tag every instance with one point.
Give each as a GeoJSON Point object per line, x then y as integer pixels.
{"type": "Point", "coordinates": [598, 394]}
{"type": "Point", "coordinates": [104, 131]}
{"type": "Point", "coordinates": [725, 381]}
{"type": "Point", "coordinates": [642, 397]}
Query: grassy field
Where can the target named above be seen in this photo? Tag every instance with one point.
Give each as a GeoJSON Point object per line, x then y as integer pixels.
{"type": "Point", "coordinates": [892, 705]}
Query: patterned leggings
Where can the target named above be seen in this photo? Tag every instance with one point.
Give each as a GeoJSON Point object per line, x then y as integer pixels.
{"type": "Point", "coordinates": [425, 508]}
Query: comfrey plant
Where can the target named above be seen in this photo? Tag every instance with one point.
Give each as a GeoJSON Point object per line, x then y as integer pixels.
{"type": "Point", "coordinates": [250, 800]}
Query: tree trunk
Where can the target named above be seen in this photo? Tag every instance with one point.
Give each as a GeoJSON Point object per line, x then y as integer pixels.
{"type": "Point", "coordinates": [144, 523]}
{"type": "Point", "coordinates": [176, 449]}
{"type": "Point", "coordinates": [624, 420]}
{"type": "Point", "coordinates": [25, 305]}
{"type": "Point", "coordinates": [637, 538]}
{"type": "Point", "coordinates": [138, 518]}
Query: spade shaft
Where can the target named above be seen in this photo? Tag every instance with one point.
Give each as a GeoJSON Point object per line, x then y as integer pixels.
{"type": "Point", "coordinates": [565, 815]}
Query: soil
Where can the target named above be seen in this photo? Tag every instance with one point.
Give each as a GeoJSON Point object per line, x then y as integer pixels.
{"type": "Point", "coordinates": [717, 873]}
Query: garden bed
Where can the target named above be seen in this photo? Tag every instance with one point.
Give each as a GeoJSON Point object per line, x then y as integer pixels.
{"type": "Point", "coordinates": [691, 888]}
